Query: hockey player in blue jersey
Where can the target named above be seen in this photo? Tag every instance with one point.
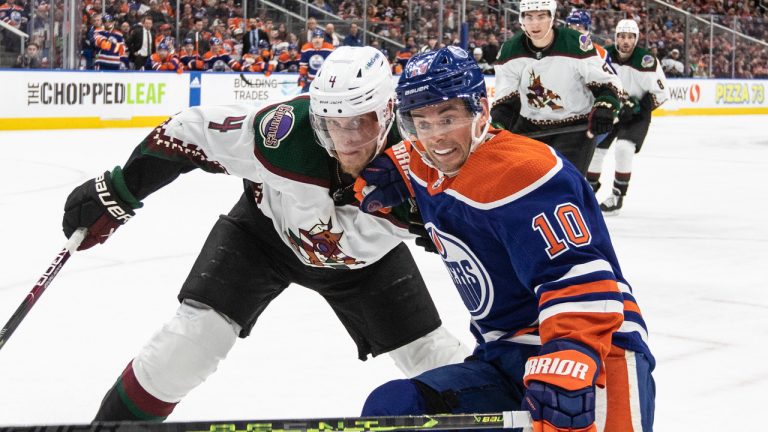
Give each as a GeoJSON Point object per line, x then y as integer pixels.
{"type": "Point", "coordinates": [557, 327]}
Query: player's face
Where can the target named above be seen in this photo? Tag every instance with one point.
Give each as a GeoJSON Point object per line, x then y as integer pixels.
{"type": "Point", "coordinates": [317, 42]}
{"type": "Point", "coordinates": [625, 43]}
{"type": "Point", "coordinates": [537, 25]}
{"type": "Point", "coordinates": [353, 140]}
{"type": "Point", "coordinates": [444, 133]}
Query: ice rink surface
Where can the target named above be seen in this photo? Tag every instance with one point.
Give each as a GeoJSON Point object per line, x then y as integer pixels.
{"type": "Point", "coordinates": [692, 239]}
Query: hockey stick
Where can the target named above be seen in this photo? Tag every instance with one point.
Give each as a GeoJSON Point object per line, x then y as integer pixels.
{"type": "Point", "coordinates": [506, 420]}
{"type": "Point", "coordinates": [69, 247]}
{"type": "Point", "coordinates": [557, 131]}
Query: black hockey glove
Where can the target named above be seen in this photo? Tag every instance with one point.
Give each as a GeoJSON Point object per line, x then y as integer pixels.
{"type": "Point", "coordinates": [101, 205]}
{"type": "Point", "coordinates": [416, 226]}
{"type": "Point", "coordinates": [629, 109]}
{"type": "Point", "coordinates": [603, 116]}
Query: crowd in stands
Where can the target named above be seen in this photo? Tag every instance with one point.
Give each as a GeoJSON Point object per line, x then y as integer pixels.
{"type": "Point", "coordinates": [222, 40]}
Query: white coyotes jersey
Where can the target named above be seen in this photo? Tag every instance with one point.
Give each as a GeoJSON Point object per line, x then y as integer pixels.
{"type": "Point", "coordinates": [641, 73]}
{"type": "Point", "coordinates": [557, 87]}
{"type": "Point", "coordinates": [274, 147]}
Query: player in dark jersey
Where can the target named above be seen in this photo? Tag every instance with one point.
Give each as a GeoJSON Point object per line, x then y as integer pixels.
{"type": "Point", "coordinates": [557, 327]}
{"type": "Point", "coordinates": [296, 222]}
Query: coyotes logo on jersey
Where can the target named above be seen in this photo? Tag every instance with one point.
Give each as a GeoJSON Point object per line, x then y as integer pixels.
{"type": "Point", "coordinates": [539, 96]}
{"type": "Point", "coordinates": [320, 246]}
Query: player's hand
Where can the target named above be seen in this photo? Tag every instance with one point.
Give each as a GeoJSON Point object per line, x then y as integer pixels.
{"type": "Point", "coordinates": [630, 108]}
{"type": "Point", "coordinates": [101, 205]}
{"type": "Point", "coordinates": [384, 183]}
{"type": "Point", "coordinates": [560, 388]}
{"type": "Point", "coordinates": [603, 116]}
{"type": "Point", "coordinates": [416, 226]}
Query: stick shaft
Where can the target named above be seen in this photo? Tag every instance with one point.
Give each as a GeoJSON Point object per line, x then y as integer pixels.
{"type": "Point", "coordinates": [557, 131]}
{"type": "Point", "coordinates": [42, 283]}
{"type": "Point", "coordinates": [506, 419]}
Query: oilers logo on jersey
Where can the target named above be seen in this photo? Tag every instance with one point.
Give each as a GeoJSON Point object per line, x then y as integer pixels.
{"type": "Point", "coordinates": [468, 273]}
{"type": "Point", "coordinates": [316, 61]}
{"type": "Point", "coordinates": [276, 125]}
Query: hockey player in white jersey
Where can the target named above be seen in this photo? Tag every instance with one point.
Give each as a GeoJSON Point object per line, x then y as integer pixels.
{"type": "Point", "coordinates": [549, 78]}
{"type": "Point", "coordinates": [296, 222]}
{"type": "Point", "coordinates": [646, 87]}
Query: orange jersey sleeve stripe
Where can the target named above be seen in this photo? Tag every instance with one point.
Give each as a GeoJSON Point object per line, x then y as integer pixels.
{"type": "Point", "coordinates": [593, 330]}
{"type": "Point", "coordinates": [575, 290]}
{"type": "Point", "coordinates": [632, 307]}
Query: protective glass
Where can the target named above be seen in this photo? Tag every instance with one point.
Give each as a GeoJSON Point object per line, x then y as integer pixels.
{"type": "Point", "coordinates": [347, 134]}
{"type": "Point", "coordinates": [425, 128]}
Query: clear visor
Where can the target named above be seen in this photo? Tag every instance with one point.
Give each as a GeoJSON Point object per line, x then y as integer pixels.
{"type": "Point", "coordinates": [348, 135]}
{"type": "Point", "coordinates": [424, 129]}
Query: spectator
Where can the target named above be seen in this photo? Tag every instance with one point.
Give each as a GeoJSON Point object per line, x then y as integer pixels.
{"type": "Point", "coordinates": [29, 60]}
{"type": "Point", "coordinates": [491, 49]}
{"type": "Point", "coordinates": [199, 36]}
{"type": "Point", "coordinates": [354, 38]}
{"type": "Point", "coordinates": [154, 11]}
{"type": "Point", "coordinates": [331, 36]}
{"type": "Point", "coordinates": [671, 65]}
{"type": "Point", "coordinates": [141, 43]}
{"type": "Point", "coordinates": [477, 53]}
{"type": "Point", "coordinates": [306, 35]}
{"type": "Point", "coordinates": [254, 36]}
{"type": "Point", "coordinates": [320, 10]}
{"type": "Point", "coordinates": [164, 35]}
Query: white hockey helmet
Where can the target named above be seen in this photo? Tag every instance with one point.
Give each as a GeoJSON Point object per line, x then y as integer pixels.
{"type": "Point", "coordinates": [537, 5]}
{"type": "Point", "coordinates": [628, 26]}
{"type": "Point", "coordinates": [351, 82]}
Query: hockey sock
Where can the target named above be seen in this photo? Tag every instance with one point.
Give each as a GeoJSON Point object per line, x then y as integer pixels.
{"type": "Point", "coordinates": [594, 180]}
{"type": "Point", "coordinates": [621, 183]}
{"type": "Point", "coordinates": [127, 400]}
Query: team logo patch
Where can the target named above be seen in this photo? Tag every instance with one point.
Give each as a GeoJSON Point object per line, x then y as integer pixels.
{"type": "Point", "coordinates": [647, 61]}
{"type": "Point", "coordinates": [276, 125]}
{"type": "Point", "coordinates": [316, 61]}
{"type": "Point", "coordinates": [539, 96]}
{"type": "Point", "coordinates": [466, 270]}
{"type": "Point", "coordinates": [585, 43]}
{"type": "Point", "coordinates": [319, 246]}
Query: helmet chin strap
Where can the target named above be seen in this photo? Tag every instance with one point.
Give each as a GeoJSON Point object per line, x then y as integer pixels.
{"type": "Point", "coordinates": [551, 25]}
{"type": "Point", "coordinates": [477, 140]}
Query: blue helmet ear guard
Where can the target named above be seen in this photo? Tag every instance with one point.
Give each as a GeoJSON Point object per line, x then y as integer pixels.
{"type": "Point", "coordinates": [436, 76]}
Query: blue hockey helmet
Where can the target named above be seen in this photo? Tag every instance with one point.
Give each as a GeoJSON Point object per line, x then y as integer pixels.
{"type": "Point", "coordinates": [189, 41]}
{"type": "Point", "coordinates": [163, 46]}
{"type": "Point", "coordinates": [264, 44]}
{"type": "Point", "coordinates": [580, 17]}
{"type": "Point", "coordinates": [434, 77]}
{"type": "Point", "coordinates": [107, 18]}
{"type": "Point", "coordinates": [318, 33]}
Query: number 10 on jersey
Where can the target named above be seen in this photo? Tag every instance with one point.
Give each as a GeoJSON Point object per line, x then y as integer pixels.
{"type": "Point", "coordinates": [571, 224]}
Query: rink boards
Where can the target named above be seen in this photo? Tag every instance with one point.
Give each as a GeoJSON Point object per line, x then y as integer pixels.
{"type": "Point", "coordinates": [88, 99]}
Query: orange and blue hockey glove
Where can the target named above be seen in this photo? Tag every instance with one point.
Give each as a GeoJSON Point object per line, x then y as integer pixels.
{"type": "Point", "coordinates": [560, 387]}
{"type": "Point", "coordinates": [384, 183]}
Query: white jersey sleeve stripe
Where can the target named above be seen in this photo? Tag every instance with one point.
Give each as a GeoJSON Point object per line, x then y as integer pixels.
{"type": "Point", "coordinates": [581, 270]}
{"type": "Point", "coordinates": [597, 306]}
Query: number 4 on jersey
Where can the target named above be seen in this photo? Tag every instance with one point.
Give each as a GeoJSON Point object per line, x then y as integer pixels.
{"type": "Point", "coordinates": [571, 223]}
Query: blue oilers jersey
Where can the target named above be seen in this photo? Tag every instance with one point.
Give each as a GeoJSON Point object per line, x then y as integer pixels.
{"type": "Point", "coordinates": [523, 238]}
